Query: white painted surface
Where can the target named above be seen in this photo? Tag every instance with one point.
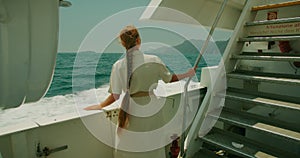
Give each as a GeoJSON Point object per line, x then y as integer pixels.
{"type": "Point", "coordinates": [28, 47]}
{"type": "Point", "coordinates": [200, 10]}
{"type": "Point", "coordinates": [19, 145]}
{"type": "Point", "coordinates": [207, 74]}
{"type": "Point", "coordinates": [18, 127]}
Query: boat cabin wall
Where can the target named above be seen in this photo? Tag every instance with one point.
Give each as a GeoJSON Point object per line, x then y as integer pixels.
{"type": "Point", "coordinates": [73, 133]}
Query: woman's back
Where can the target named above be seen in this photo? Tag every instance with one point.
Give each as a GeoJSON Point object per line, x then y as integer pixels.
{"type": "Point", "coordinates": [146, 76]}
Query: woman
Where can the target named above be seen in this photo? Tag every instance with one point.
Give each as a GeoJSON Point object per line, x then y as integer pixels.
{"type": "Point", "coordinates": [137, 75]}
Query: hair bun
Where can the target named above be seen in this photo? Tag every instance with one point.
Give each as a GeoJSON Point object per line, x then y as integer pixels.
{"type": "Point", "coordinates": [128, 36]}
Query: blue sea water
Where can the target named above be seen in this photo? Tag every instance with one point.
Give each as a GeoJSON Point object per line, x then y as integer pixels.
{"type": "Point", "coordinates": [76, 72]}
{"type": "Point", "coordinates": [88, 69]}
{"type": "Point", "coordinates": [63, 74]}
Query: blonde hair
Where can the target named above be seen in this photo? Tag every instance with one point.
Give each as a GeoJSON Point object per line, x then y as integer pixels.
{"type": "Point", "coordinates": [129, 37]}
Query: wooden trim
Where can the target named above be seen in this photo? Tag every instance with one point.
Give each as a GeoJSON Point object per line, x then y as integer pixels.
{"type": "Point", "coordinates": [273, 6]}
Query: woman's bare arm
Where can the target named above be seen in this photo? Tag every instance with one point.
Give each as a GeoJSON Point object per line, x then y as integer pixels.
{"type": "Point", "coordinates": [109, 100]}
{"type": "Point", "coordinates": [177, 77]}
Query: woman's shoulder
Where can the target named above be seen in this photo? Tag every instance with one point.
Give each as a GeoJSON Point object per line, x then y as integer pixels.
{"type": "Point", "coordinates": [119, 63]}
{"type": "Point", "coordinates": [152, 58]}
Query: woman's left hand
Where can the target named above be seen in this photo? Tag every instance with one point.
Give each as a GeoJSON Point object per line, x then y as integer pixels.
{"type": "Point", "coordinates": [94, 107]}
{"type": "Point", "coordinates": [191, 72]}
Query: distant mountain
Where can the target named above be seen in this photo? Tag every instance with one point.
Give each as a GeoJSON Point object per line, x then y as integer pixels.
{"type": "Point", "coordinates": [193, 47]}
{"type": "Point", "coordinates": [190, 46]}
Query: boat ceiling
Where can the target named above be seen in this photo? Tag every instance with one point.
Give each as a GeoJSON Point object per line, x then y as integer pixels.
{"type": "Point", "coordinates": [200, 11]}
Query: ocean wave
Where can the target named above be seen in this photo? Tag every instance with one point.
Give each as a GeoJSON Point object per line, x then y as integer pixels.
{"type": "Point", "coordinates": [49, 107]}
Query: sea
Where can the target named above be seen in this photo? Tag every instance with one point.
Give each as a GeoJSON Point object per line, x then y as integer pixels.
{"type": "Point", "coordinates": [85, 74]}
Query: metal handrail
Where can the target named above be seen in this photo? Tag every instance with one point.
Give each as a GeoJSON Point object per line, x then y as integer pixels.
{"type": "Point", "coordinates": [202, 51]}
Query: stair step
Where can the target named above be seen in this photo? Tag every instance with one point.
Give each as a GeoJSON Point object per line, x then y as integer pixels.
{"type": "Point", "coordinates": [276, 27]}
{"type": "Point", "coordinates": [235, 144]}
{"type": "Point", "coordinates": [266, 118]}
{"type": "Point", "coordinates": [274, 21]}
{"type": "Point", "coordinates": [267, 57]}
{"type": "Point", "coordinates": [274, 38]}
{"type": "Point", "coordinates": [251, 99]}
{"type": "Point", "coordinates": [251, 123]}
{"type": "Point", "coordinates": [276, 54]}
{"type": "Point", "coordinates": [265, 77]}
{"type": "Point", "coordinates": [277, 5]}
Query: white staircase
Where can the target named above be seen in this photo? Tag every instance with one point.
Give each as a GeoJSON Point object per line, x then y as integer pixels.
{"type": "Point", "coordinates": [261, 116]}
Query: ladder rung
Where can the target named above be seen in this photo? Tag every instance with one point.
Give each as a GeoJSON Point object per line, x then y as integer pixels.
{"type": "Point", "coordinates": [267, 58]}
{"type": "Point", "coordinates": [250, 123]}
{"type": "Point", "coordinates": [262, 101]}
{"type": "Point", "coordinates": [274, 38]}
{"type": "Point", "coordinates": [265, 78]}
{"type": "Point", "coordinates": [273, 6]}
{"type": "Point", "coordinates": [275, 21]}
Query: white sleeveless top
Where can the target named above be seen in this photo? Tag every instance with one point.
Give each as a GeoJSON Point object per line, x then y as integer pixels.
{"type": "Point", "coordinates": [149, 68]}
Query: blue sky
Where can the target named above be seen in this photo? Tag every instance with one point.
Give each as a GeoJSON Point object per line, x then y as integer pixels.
{"type": "Point", "coordinates": [79, 19]}
{"type": "Point", "coordinates": [76, 21]}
